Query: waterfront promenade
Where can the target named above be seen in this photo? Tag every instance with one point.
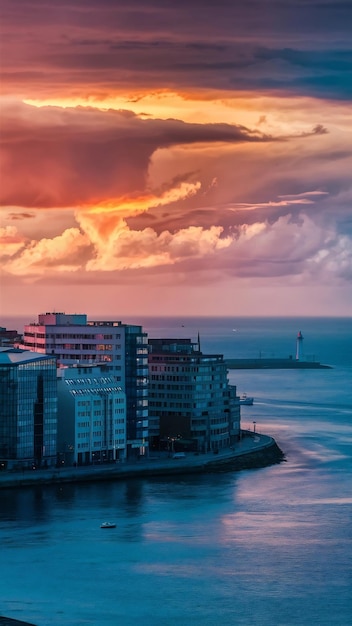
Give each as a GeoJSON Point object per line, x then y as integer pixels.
{"type": "Point", "coordinates": [252, 451]}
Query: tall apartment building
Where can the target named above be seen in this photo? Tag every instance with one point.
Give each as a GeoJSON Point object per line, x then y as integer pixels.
{"type": "Point", "coordinates": [72, 339]}
{"type": "Point", "coordinates": [121, 348]}
{"type": "Point", "coordinates": [190, 393]}
{"type": "Point", "coordinates": [91, 416]}
{"type": "Point", "coordinates": [28, 409]}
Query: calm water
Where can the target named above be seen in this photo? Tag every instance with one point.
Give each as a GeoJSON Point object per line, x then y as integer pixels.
{"type": "Point", "coordinates": [270, 547]}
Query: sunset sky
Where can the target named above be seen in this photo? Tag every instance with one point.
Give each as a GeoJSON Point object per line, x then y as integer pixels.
{"type": "Point", "coordinates": [176, 158]}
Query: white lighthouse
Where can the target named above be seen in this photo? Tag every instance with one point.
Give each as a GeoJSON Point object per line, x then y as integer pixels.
{"type": "Point", "coordinates": [299, 344]}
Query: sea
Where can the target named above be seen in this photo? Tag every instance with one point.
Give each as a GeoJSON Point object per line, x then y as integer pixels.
{"type": "Point", "coordinates": [260, 547]}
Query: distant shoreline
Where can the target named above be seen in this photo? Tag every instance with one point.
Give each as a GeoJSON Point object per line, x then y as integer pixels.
{"type": "Point", "coordinates": [254, 451]}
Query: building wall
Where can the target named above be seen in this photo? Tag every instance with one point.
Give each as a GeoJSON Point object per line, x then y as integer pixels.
{"type": "Point", "coordinates": [91, 417]}
{"type": "Point", "coordinates": [85, 344]}
{"type": "Point", "coordinates": [8, 337]}
{"type": "Point", "coordinates": [66, 422]}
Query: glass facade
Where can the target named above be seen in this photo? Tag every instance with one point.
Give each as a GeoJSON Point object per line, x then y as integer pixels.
{"type": "Point", "coordinates": [28, 410]}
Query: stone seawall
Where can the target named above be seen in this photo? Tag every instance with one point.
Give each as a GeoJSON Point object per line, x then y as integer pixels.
{"type": "Point", "coordinates": [274, 364]}
{"type": "Point", "coordinates": [252, 460]}
{"type": "Point", "coordinates": [251, 453]}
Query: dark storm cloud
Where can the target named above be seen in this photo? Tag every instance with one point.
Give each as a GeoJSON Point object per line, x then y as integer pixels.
{"type": "Point", "coordinates": [20, 216]}
{"type": "Point", "coordinates": [283, 45]}
{"type": "Point", "coordinates": [62, 157]}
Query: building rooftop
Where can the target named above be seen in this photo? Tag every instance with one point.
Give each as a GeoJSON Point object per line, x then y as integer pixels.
{"type": "Point", "coordinates": [16, 356]}
{"type": "Point", "coordinates": [168, 349]}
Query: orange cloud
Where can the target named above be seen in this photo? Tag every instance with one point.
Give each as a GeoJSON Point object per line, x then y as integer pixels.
{"type": "Point", "coordinates": [112, 244]}
{"type": "Point", "coordinates": [134, 206]}
{"type": "Point", "coordinates": [118, 247]}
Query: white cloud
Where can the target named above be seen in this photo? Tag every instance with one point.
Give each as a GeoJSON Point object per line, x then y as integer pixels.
{"type": "Point", "coordinates": [49, 255]}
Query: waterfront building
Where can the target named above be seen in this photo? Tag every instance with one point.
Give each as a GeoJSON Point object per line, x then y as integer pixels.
{"type": "Point", "coordinates": [91, 416]}
{"type": "Point", "coordinates": [72, 339]}
{"type": "Point", "coordinates": [137, 390]}
{"type": "Point", "coordinates": [28, 409]}
{"type": "Point", "coordinates": [191, 397]}
{"type": "Point", "coordinates": [121, 348]}
{"type": "Point", "coordinates": [8, 337]}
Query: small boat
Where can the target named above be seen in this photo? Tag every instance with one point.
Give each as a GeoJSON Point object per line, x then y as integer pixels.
{"type": "Point", "coordinates": [244, 399]}
{"type": "Point", "coordinates": [108, 525]}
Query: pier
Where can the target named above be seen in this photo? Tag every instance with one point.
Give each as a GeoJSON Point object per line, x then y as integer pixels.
{"type": "Point", "coordinates": [274, 364]}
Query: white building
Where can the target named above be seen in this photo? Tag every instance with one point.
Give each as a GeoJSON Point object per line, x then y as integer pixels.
{"type": "Point", "coordinates": [72, 339]}
{"type": "Point", "coordinates": [91, 416]}
{"type": "Point", "coordinates": [121, 348]}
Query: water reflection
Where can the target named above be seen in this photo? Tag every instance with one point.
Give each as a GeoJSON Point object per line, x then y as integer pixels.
{"type": "Point", "coordinates": [24, 505]}
{"type": "Point", "coordinates": [265, 547]}
{"type": "Point", "coordinates": [134, 497]}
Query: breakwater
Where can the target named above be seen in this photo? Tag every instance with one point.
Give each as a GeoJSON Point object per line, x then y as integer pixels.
{"type": "Point", "coordinates": [251, 452]}
{"type": "Point", "coordinates": [242, 364]}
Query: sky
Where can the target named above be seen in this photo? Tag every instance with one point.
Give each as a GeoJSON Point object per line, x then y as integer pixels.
{"type": "Point", "coordinates": [176, 158]}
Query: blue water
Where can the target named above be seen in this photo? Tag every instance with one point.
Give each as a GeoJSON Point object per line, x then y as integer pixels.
{"type": "Point", "coordinates": [269, 547]}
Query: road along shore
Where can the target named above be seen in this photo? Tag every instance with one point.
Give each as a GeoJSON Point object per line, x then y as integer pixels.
{"type": "Point", "coordinates": [251, 452]}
